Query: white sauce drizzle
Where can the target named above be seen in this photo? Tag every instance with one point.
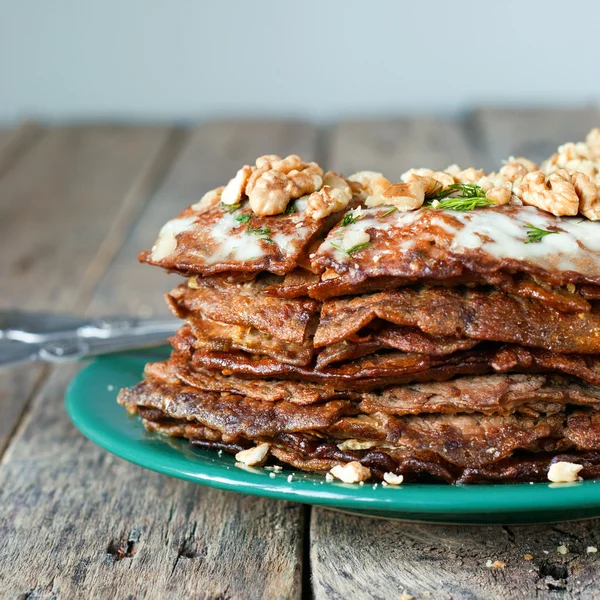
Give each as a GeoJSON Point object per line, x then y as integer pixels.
{"type": "Point", "coordinates": [166, 243]}
{"type": "Point", "coordinates": [572, 249]}
{"type": "Point", "coordinates": [287, 243]}
{"type": "Point", "coordinates": [372, 219]}
{"type": "Point", "coordinates": [500, 235]}
{"type": "Point", "coordinates": [241, 246]}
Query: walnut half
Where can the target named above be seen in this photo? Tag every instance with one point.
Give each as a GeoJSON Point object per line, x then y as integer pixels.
{"type": "Point", "coordinates": [333, 196]}
{"type": "Point", "coordinates": [277, 181]}
{"type": "Point", "coordinates": [562, 193]}
{"type": "Point", "coordinates": [406, 196]}
{"type": "Point", "coordinates": [555, 194]}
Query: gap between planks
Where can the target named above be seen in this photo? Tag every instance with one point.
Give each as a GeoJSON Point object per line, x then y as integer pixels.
{"type": "Point", "coordinates": [359, 557]}
{"type": "Point", "coordinates": [237, 538]}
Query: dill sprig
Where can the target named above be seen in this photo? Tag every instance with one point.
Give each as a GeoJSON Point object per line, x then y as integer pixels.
{"type": "Point", "coordinates": [350, 217]}
{"type": "Point", "coordinates": [243, 218]}
{"type": "Point", "coordinates": [468, 197]}
{"type": "Point", "coordinates": [535, 234]}
{"type": "Point", "coordinates": [354, 249]}
{"type": "Point", "coordinates": [462, 203]}
{"type": "Point", "coordinates": [229, 208]}
{"type": "Point", "coordinates": [263, 232]}
{"type": "Point", "coordinates": [387, 213]}
{"type": "Point", "coordinates": [290, 208]}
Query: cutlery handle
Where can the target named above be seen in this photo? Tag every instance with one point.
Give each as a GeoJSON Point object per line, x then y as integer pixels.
{"type": "Point", "coordinates": [26, 337]}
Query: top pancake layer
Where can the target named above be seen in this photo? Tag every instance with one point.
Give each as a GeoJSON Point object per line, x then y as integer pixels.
{"type": "Point", "coordinates": [235, 239]}
{"type": "Point", "coordinates": [441, 244]}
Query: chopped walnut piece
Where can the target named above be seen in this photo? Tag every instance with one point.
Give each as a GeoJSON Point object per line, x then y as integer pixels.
{"type": "Point", "coordinates": [356, 445]}
{"type": "Point", "coordinates": [593, 142]}
{"type": "Point", "coordinates": [583, 157]}
{"type": "Point", "coordinates": [272, 185]}
{"type": "Point", "coordinates": [500, 194]}
{"type": "Point", "coordinates": [564, 472]}
{"type": "Point", "coordinates": [210, 199]}
{"type": "Point", "coordinates": [335, 180]}
{"type": "Point", "coordinates": [393, 479]}
{"type": "Point", "coordinates": [441, 176]}
{"type": "Point", "coordinates": [351, 472]}
{"type": "Point", "coordinates": [513, 171]}
{"type": "Point", "coordinates": [555, 194]}
{"type": "Point", "coordinates": [589, 196]}
{"type": "Point", "coordinates": [469, 175]}
{"type": "Point", "coordinates": [406, 196]}
{"type": "Point", "coordinates": [253, 456]}
{"type": "Point", "coordinates": [372, 182]}
{"type": "Point", "coordinates": [525, 162]}
{"type": "Point", "coordinates": [333, 196]}
{"type": "Point", "coordinates": [261, 161]}
{"type": "Point", "coordinates": [236, 187]}
{"type": "Point", "coordinates": [329, 274]}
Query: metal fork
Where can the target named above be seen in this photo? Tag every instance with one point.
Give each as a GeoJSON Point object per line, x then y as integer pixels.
{"type": "Point", "coordinates": [56, 338]}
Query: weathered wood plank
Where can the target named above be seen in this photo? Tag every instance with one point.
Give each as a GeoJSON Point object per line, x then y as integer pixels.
{"type": "Point", "coordinates": [68, 507]}
{"type": "Point", "coordinates": [60, 206]}
{"type": "Point", "coordinates": [354, 557]}
{"type": "Point", "coordinates": [534, 133]}
{"type": "Point", "coordinates": [15, 142]}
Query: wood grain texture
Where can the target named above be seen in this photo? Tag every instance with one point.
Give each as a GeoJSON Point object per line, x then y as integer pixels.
{"type": "Point", "coordinates": [80, 523]}
{"type": "Point", "coordinates": [535, 133]}
{"type": "Point", "coordinates": [355, 557]}
{"type": "Point", "coordinates": [69, 195]}
{"type": "Point", "coordinates": [15, 142]}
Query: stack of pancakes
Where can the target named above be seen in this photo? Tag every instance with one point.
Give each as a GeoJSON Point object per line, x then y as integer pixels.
{"type": "Point", "coordinates": [450, 347]}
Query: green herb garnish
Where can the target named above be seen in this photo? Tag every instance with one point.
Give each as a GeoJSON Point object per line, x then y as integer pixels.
{"type": "Point", "coordinates": [290, 209]}
{"type": "Point", "coordinates": [229, 208]}
{"type": "Point", "coordinates": [351, 251]}
{"type": "Point", "coordinates": [350, 217]}
{"type": "Point", "coordinates": [469, 196]}
{"type": "Point", "coordinates": [461, 203]}
{"type": "Point", "coordinates": [389, 212]}
{"type": "Point", "coordinates": [535, 234]}
{"type": "Point", "coordinates": [258, 230]}
{"type": "Point", "coordinates": [243, 218]}
{"type": "Point", "coordinates": [263, 232]}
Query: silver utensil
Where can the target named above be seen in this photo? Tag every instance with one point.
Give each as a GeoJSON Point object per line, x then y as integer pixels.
{"type": "Point", "coordinates": [56, 338]}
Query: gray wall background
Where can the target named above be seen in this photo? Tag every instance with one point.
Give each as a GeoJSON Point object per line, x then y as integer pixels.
{"type": "Point", "coordinates": [191, 60]}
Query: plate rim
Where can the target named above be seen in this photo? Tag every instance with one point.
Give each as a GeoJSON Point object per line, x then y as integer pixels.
{"type": "Point", "coordinates": [424, 499]}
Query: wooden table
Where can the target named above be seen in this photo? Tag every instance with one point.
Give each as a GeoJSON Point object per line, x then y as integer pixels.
{"type": "Point", "coordinates": [77, 203]}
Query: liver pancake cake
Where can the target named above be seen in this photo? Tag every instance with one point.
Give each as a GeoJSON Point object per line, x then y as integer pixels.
{"type": "Point", "coordinates": [445, 327]}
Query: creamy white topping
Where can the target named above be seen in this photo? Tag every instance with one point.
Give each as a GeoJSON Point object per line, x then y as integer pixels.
{"type": "Point", "coordinates": [356, 233]}
{"type": "Point", "coordinates": [245, 246]}
{"type": "Point", "coordinates": [504, 235]}
{"type": "Point", "coordinates": [166, 243]}
{"type": "Point", "coordinates": [240, 246]}
{"type": "Point", "coordinates": [500, 235]}
{"type": "Point", "coordinates": [287, 243]}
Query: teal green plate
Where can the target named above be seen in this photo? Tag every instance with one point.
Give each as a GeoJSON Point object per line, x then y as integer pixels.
{"type": "Point", "coordinates": [91, 404]}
